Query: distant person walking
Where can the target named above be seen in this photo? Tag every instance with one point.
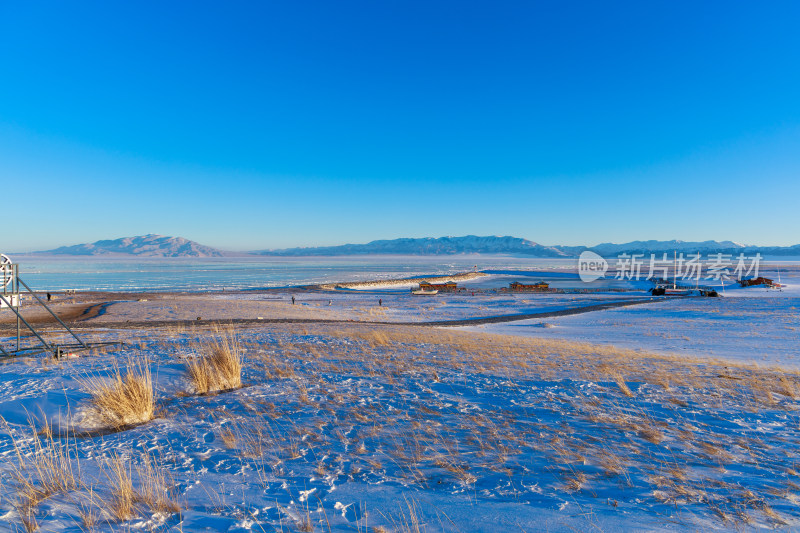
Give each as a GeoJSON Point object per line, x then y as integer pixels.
{"type": "Point", "coordinates": [380, 302]}
{"type": "Point", "coordinates": [49, 296]}
{"type": "Point", "coordinates": [292, 300]}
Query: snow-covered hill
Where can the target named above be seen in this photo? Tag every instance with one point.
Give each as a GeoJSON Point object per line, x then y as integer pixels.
{"type": "Point", "coordinates": [145, 245]}
{"type": "Point", "coordinates": [469, 244]}
{"type": "Point", "coordinates": [472, 244]}
{"type": "Point", "coordinates": [162, 246]}
{"type": "Point", "coordinates": [607, 249]}
{"type": "Point", "coordinates": [689, 247]}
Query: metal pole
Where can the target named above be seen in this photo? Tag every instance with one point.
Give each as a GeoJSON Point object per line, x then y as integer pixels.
{"type": "Point", "coordinates": [3, 298]}
{"type": "Point", "coordinates": [19, 302]}
{"type": "Point", "coordinates": [51, 312]}
{"type": "Point", "coordinates": [15, 285]}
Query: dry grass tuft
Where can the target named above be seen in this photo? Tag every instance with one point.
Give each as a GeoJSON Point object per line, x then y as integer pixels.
{"type": "Point", "coordinates": [122, 400]}
{"type": "Point", "coordinates": [90, 510]}
{"type": "Point", "coordinates": [219, 365]}
{"type": "Point", "coordinates": [304, 523]}
{"type": "Point", "coordinates": [28, 520]}
{"type": "Point", "coordinates": [228, 437]}
{"type": "Point", "coordinates": [43, 468]}
{"type": "Point", "coordinates": [122, 493]}
{"type": "Point", "coordinates": [651, 434]}
{"type": "Point", "coordinates": [155, 487]}
{"type": "Point", "coordinates": [786, 387]}
{"type": "Point", "coordinates": [152, 490]}
{"type": "Point", "coordinates": [410, 519]}
{"type": "Point", "coordinates": [575, 482]}
{"type": "Point", "coordinates": [623, 387]}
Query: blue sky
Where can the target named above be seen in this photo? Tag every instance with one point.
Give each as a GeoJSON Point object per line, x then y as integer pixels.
{"type": "Point", "coordinates": [250, 125]}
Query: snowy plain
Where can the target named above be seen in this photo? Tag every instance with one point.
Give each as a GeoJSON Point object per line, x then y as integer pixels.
{"type": "Point", "coordinates": [756, 324]}
{"type": "Point", "coordinates": [590, 424]}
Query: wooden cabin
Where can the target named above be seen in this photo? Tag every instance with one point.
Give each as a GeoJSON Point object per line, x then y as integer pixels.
{"type": "Point", "coordinates": [760, 280]}
{"type": "Point", "coordinates": [521, 287]}
{"type": "Point", "coordinates": [450, 286]}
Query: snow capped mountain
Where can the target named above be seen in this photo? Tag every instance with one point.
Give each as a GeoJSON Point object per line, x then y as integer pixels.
{"type": "Point", "coordinates": [689, 247]}
{"type": "Point", "coordinates": [163, 246]}
{"type": "Point", "coordinates": [704, 247]}
{"type": "Point", "coordinates": [144, 246]}
{"type": "Point", "coordinates": [470, 244]}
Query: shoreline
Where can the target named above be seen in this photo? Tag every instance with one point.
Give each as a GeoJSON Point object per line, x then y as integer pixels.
{"type": "Point", "coordinates": [333, 286]}
{"type": "Point", "coordinates": [399, 282]}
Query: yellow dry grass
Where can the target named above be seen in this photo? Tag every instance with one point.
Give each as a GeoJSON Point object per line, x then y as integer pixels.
{"type": "Point", "coordinates": [42, 467]}
{"type": "Point", "coordinates": [122, 493]}
{"type": "Point", "coordinates": [218, 366]}
{"type": "Point", "coordinates": [152, 489]}
{"type": "Point", "coordinates": [123, 399]}
{"type": "Point", "coordinates": [319, 418]}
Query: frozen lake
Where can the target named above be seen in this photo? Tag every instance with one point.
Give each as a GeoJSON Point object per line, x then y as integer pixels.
{"type": "Point", "coordinates": [179, 274]}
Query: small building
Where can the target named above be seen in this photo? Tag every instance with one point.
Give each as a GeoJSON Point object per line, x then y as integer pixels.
{"type": "Point", "coordinates": [760, 280]}
{"type": "Point", "coordinates": [521, 287]}
{"type": "Point", "coordinates": [450, 286]}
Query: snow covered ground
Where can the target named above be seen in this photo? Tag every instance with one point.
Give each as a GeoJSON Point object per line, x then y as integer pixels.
{"type": "Point", "coordinates": [753, 324]}
{"type": "Point", "coordinates": [401, 428]}
{"type": "Point", "coordinates": [387, 305]}
{"type": "Point", "coordinates": [592, 424]}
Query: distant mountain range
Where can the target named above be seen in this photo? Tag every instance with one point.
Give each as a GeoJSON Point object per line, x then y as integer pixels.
{"type": "Point", "coordinates": [143, 246]}
{"type": "Point", "coordinates": [430, 246]}
{"type": "Point", "coordinates": [471, 244]}
{"type": "Point", "coordinates": [704, 247]}
{"type": "Point", "coordinates": [162, 246]}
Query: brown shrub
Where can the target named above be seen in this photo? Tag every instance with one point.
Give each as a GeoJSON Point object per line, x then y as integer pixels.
{"type": "Point", "coordinates": [121, 400]}
{"type": "Point", "coordinates": [218, 366]}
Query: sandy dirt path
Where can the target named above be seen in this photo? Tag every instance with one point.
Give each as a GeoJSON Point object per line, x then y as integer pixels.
{"type": "Point", "coordinates": [163, 310]}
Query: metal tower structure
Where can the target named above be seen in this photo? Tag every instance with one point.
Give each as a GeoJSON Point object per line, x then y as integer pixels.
{"type": "Point", "coordinates": [10, 298]}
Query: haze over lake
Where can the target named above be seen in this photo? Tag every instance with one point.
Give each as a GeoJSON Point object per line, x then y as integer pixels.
{"type": "Point", "coordinates": [134, 274]}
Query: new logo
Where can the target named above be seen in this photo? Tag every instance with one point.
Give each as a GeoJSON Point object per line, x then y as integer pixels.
{"type": "Point", "coordinates": [591, 266]}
